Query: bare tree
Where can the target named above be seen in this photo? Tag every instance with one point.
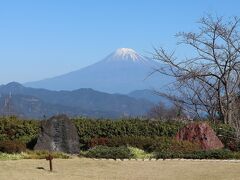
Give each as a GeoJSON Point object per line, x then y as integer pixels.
{"type": "Point", "coordinates": [164, 113]}
{"type": "Point", "coordinates": [235, 117]}
{"type": "Point", "coordinates": [208, 81]}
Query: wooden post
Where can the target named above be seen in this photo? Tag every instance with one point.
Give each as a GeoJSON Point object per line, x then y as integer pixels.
{"type": "Point", "coordinates": [50, 158]}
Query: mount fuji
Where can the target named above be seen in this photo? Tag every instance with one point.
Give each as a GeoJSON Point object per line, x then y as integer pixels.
{"type": "Point", "coordinates": [122, 71]}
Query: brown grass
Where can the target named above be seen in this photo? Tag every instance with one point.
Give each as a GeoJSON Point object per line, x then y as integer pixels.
{"type": "Point", "coordinates": [86, 169]}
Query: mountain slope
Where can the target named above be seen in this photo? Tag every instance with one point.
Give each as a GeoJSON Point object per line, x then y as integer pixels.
{"type": "Point", "coordinates": [149, 95]}
{"type": "Point", "coordinates": [31, 107]}
{"type": "Point", "coordinates": [146, 94]}
{"type": "Point", "coordinates": [122, 71]}
{"type": "Point", "coordinates": [30, 102]}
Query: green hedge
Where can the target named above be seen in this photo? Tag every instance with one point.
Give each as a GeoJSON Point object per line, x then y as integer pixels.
{"type": "Point", "coordinates": [126, 152]}
{"type": "Point", "coordinates": [227, 135]}
{"type": "Point", "coordinates": [212, 154]}
{"type": "Point", "coordinates": [166, 144]}
{"type": "Point", "coordinates": [122, 152]}
{"type": "Point", "coordinates": [148, 144]}
{"type": "Point", "coordinates": [88, 129]}
{"type": "Point", "coordinates": [26, 131]}
{"type": "Point", "coordinates": [144, 143]}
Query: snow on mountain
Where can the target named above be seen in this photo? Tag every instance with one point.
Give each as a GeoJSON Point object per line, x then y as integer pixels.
{"type": "Point", "coordinates": [125, 54]}
{"type": "Point", "coordinates": [122, 71]}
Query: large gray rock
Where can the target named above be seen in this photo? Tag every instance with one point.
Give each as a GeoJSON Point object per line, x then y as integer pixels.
{"type": "Point", "coordinates": [58, 134]}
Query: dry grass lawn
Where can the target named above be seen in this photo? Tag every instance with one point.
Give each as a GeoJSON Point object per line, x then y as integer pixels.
{"type": "Point", "coordinates": [81, 169]}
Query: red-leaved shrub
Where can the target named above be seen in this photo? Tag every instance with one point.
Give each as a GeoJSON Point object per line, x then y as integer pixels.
{"type": "Point", "coordinates": [12, 146]}
{"type": "Point", "coordinates": [102, 141]}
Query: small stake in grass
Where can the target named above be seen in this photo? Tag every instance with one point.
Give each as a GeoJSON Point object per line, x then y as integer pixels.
{"type": "Point", "coordinates": [50, 158]}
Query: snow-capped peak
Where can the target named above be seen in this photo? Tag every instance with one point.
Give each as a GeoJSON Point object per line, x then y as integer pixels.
{"type": "Point", "coordinates": [125, 54]}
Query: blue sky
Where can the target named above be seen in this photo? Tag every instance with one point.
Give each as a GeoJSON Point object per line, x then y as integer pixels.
{"type": "Point", "coordinates": [44, 38]}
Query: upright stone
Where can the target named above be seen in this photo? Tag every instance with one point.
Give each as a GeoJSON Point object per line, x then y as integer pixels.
{"type": "Point", "coordinates": [58, 134]}
{"type": "Point", "coordinates": [202, 134]}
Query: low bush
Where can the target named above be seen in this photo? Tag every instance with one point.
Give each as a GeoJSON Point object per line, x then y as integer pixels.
{"type": "Point", "coordinates": [143, 143]}
{"type": "Point", "coordinates": [122, 152]}
{"type": "Point", "coordinates": [212, 154]}
{"type": "Point", "coordinates": [165, 144]}
{"type": "Point", "coordinates": [135, 153]}
{"type": "Point", "coordinates": [140, 154]}
{"type": "Point", "coordinates": [148, 144]}
{"type": "Point", "coordinates": [12, 147]}
{"type": "Point", "coordinates": [108, 152]}
{"type": "Point", "coordinates": [98, 142]}
{"type": "Point", "coordinates": [227, 135]}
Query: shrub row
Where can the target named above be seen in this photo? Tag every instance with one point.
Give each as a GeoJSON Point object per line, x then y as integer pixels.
{"type": "Point", "coordinates": [124, 152]}
{"type": "Point", "coordinates": [134, 132]}
{"type": "Point", "coordinates": [139, 147]}
{"type": "Point", "coordinates": [149, 144]}
{"type": "Point", "coordinates": [108, 152]}
{"type": "Point", "coordinates": [88, 129]}
{"type": "Point", "coordinates": [213, 154]}
{"type": "Point", "coordinates": [172, 145]}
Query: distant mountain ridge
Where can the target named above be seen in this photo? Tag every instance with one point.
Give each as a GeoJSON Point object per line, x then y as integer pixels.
{"type": "Point", "coordinates": [35, 103]}
{"type": "Point", "coordinates": [148, 95]}
{"type": "Point", "coordinates": [123, 71]}
{"type": "Point", "coordinates": [96, 90]}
